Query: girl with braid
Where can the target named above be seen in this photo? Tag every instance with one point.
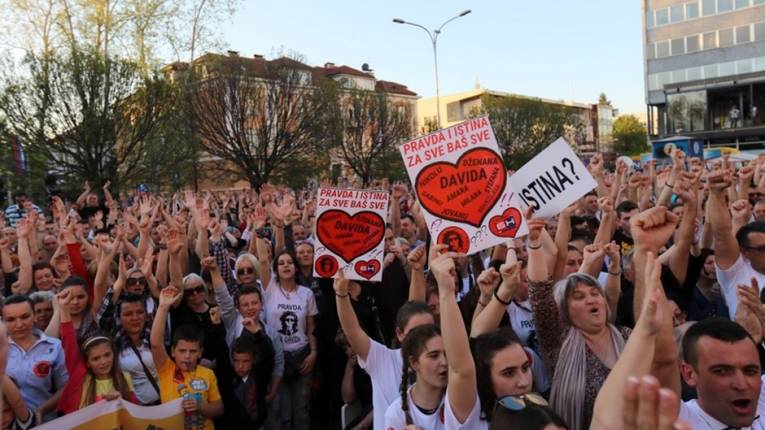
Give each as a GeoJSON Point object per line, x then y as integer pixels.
{"type": "Point", "coordinates": [421, 404]}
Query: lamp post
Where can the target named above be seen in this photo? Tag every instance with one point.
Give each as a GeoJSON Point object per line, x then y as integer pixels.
{"type": "Point", "coordinates": [434, 40]}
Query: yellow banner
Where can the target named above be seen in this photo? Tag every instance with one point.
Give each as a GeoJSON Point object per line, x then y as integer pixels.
{"type": "Point", "coordinates": [120, 414]}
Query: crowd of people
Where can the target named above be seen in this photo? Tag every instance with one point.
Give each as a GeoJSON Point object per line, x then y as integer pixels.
{"type": "Point", "coordinates": [637, 307]}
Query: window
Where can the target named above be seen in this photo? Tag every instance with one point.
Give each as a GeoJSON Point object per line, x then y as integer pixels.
{"type": "Point", "coordinates": [759, 31]}
{"type": "Point", "coordinates": [693, 43]}
{"type": "Point", "coordinates": [649, 19]}
{"type": "Point", "coordinates": [742, 4]}
{"type": "Point", "coordinates": [710, 40]}
{"type": "Point", "coordinates": [662, 49]}
{"type": "Point", "coordinates": [678, 76]}
{"type": "Point", "coordinates": [726, 37]}
{"type": "Point", "coordinates": [676, 13]}
{"type": "Point", "coordinates": [662, 17]}
{"type": "Point", "coordinates": [728, 69]}
{"type": "Point", "coordinates": [710, 71]}
{"type": "Point", "coordinates": [708, 7]}
{"type": "Point", "coordinates": [694, 73]}
{"type": "Point", "coordinates": [691, 10]}
{"type": "Point", "coordinates": [650, 51]}
{"type": "Point", "coordinates": [759, 64]}
{"type": "Point", "coordinates": [724, 6]}
{"type": "Point", "coordinates": [743, 35]}
{"type": "Point", "coordinates": [744, 66]}
{"type": "Point", "coordinates": [678, 46]}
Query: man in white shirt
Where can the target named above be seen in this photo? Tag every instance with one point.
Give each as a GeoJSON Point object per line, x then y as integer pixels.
{"type": "Point", "coordinates": [739, 256]}
{"type": "Point", "coordinates": [721, 362]}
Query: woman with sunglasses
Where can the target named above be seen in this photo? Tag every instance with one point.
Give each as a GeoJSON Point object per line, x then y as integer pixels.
{"type": "Point", "coordinates": [246, 269]}
{"type": "Point", "coordinates": [194, 310]}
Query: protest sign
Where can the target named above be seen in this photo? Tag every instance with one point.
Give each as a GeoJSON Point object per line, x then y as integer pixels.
{"type": "Point", "coordinates": [552, 180]}
{"type": "Point", "coordinates": [350, 227]}
{"type": "Point", "coordinates": [461, 183]}
{"type": "Point", "coordinates": [121, 414]}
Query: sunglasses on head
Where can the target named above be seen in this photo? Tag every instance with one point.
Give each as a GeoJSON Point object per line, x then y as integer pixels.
{"type": "Point", "coordinates": [136, 281]}
{"type": "Point", "coordinates": [519, 403]}
{"type": "Point", "coordinates": [192, 291]}
{"type": "Point", "coordinates": [244, 271]}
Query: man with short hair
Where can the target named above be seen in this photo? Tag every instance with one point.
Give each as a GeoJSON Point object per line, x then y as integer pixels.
{"type": "Point", "coordinates": [739, 256]}
{"type": "Point", "coordinates": [623, 237]}
{"type": "Point", "coordinates": [14, 213]}
{"type": "Point", "coordinates": [759, 210]}
{"type": "Point", "coordinates": [408, 230]}
{"type": "Point", "coordinates": [721, 362]}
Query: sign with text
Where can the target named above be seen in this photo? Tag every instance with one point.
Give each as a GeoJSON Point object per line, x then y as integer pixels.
{"type": "Point", "coordinates": [461, 183]}
{"type": "Point", "coordinates": [350, 227]}
{"type": "Point", "coordinates": [552, 180]}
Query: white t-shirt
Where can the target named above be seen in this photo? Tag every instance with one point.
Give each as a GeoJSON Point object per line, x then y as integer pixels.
{"type": "Point", "coordinates": [522, 321]}
{"type": "Point", "coordinates": [472, 422]}
{"type": "Point", "coordinates": [395, 418]}
{"type": "Point", "coordinates": [144, 391]}
{"type": "Point", "coordinates": [740, 273]}
{"type": "Point", "coordinates": [287, 314]}
{"type": "Point", "coordinates": [692, 413]}
{"type": "Point", "coordinates": [384, 366]}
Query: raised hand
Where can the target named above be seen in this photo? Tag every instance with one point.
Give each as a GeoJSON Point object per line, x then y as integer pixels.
{"type": "Point", "coordinates": [442, 266]}
{"type": "Point", "coordinates": [652, 312]}
{"type": "Point", "coordinates": [209, 263]}
{"type": "Point", "coordinates": [652, 228]}
{"type": "Point", "coordinates": [488, 281]}
{"type": "Point", "coordinates": [535, 226]}
{"type": "Point", "coordinates": [168, 296]}
{"type": "Point", "coordinates": [215, 315]}
{"type": "Point", "coordinates": [648, 406]}
{"type": "Point", "coordinates": [341, 284]}
{"type": "Point", "coordinates": [417, 258]}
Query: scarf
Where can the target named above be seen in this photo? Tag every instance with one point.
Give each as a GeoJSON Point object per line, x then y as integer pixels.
{"type": "Point", "coordinates": [570, 378]}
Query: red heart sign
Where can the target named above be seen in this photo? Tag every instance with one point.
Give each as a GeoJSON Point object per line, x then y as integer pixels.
{"type": "Point", "coordinates": [367, 269]}
{"type": "Point", "coordinates": [350, 236]}
{"type": "Point", "coordinates": [507, 224]}
{"type": "Point", "coordinates": [464, 191]}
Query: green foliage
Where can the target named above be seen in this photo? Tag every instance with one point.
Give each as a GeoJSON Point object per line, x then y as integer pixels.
{"type": "Point", "coordinates": [603, 100]}
{"type": "Point", "coordinates": [630, 136]}
{"type": "Point", "coordinates": [89, 117]}
{"type": "Point", "coordinates": [525, 126]}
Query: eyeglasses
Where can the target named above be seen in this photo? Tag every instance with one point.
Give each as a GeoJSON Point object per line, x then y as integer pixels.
{"type": "Point", "coordinates": [136, 281]}
{"type": "Point", "coordinates": [192, 291]}
{"type": "Point", "coordinates": [519, 403]}
{"type": "Point", "coordinates": [244, 271]}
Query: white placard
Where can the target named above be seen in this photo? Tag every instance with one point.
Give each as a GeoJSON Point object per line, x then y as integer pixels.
{"type": "Point", "coordinates": [462, 186]}
{"type": "Point", "coordinates": [552, 180]}
{"type": "Point", "coordinates": [350, 229]}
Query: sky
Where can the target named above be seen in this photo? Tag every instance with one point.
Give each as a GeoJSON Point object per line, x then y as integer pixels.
{"type": "Point", "coordinates": [555, 49]}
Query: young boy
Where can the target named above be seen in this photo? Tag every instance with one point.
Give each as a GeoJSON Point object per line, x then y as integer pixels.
{"type": "Point", "coordinates": [181, 377]}
{"type": "Point", "coordinates": [252, 357]}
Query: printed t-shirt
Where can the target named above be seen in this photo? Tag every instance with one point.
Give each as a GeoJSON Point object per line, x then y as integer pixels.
{"type": "Point", "coordinates": [201, 384]}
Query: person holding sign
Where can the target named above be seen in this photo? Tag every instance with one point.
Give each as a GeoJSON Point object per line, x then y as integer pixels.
{"type": "Point", "coordinates": [384, 365]}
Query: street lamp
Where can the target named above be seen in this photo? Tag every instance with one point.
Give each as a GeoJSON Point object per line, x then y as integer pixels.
{"type": "Point", "coordinates": [434, 40]}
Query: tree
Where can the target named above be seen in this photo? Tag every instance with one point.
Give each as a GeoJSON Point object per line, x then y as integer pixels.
{"type": "Point", "coordinates": [370, 127]}
{"type": "Point", "coordinates": [603, 100]}
{"type": "Point", "coordinates": [630, 136]}
{"type": "Point", "coordinates": [90, 117]}
{"type": "Point", "coordinates": [257, 116]}
{"type": "Point", "coordinates": [525, 126]}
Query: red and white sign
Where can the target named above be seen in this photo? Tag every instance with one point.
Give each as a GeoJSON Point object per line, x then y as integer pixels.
{"type": "Point", "coordinates": [461, 183]}
{"type": "Point", "coordinates": [350, 228]}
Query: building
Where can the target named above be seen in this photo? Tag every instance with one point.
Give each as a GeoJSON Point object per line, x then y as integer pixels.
{"type": "Point", "coordinates": [458, 107]}
{"type": "Point", "coordinates": [209, 64]}
{"type": "Point", "coordinates": [705, 70]}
